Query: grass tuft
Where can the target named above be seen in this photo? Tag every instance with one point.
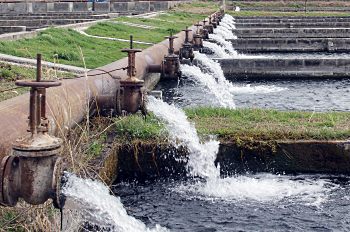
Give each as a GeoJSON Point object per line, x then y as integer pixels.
{"type": "Point", "coordinates": [137, 127]}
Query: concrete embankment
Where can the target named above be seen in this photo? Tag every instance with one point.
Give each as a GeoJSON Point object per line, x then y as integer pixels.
{"type": "Point", "coordinates": [149, 160]}
{"type": "Point", "coordinates": [292, 33]}
{"type": "Point", "coordinates": [291, 45]}
{"type": "Point", "coordinates": [291, 19]}
{"type": "Point", "coordinates": [316, 24]}
{"type": "Point", "coordinates": [11, 29]}
{"type": "Point", "coordinates": [280, 67]}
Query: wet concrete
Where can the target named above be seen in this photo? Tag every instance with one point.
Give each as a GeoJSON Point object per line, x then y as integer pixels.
{"type": "Point", "coordinates": [256, 45]}
{"type": "Point", "coordinates": [152, 160]}
{"type": "Point", "coordinates": [292, 33]}
{"type": "Point", "coordinates": [285, 67]}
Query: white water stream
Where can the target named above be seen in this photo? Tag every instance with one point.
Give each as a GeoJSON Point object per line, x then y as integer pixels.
{"type": "Point", "coordinates": [94, 204]}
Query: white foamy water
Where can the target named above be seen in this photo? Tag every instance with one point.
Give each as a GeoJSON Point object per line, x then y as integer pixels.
{"type": "Point", "coordinates": [258, 89]}
{"type": "Point", "coordinates": [219, 51]}
{"type": "Point", "coordinates": [224, 32]}
{"type": "Point", "coordinates": [96, 205]}
{"type": "Point", "coordinates": [214, 68]}
{"type": "Point", "coordinates": [228, 25]}
{"type": "Point", "coordinates": [262, 188]}
{"type": "Point", "coordinates": [229, 51]}
{"type": "Point", "coordinates": [221, 92]}
{"type": "Point", "coordinates": [229, 20]}
{"type": "Point", "coordinates": [183, 133]}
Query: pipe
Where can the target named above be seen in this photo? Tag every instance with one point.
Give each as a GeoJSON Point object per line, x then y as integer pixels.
{"type": "Point", "coordinates": [69, 103]}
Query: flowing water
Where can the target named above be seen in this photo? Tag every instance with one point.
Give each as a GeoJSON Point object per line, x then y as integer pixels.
{"type": "Point", "coordinates": [241, 203]}
{"type": "Point", "coordinates": [94, 204]}
{"type": "Point", "coordinates": [204, 201]}
{"type": "Point", "coordinates": [226, 45]}
{"type": "Point", "coordinates": [218, 50]}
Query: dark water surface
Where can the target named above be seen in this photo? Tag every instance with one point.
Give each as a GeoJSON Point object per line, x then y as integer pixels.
{"type": "Point", "coordinates": [256, 203]}
{"type": "Point", "coordinates": [318, 95]}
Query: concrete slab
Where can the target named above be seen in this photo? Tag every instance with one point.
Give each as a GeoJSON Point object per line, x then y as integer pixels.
{"type": "Point", "coordinates": [80, 6]}
{"type": "Point", "coordinates": [142, 7]}
{"type": "Point", "coordinates": [257, 45]}
{"type": "Point", "coordinates": [39, 7]}
{"type": "Point", "coordinates": [158, 6]}
{"type": "Point", "coordinates": [119, 7]}
{"type": "Point", "coordinates": [102, 7]}
{"type": "Point", "coordinates": [278, 67]}
{"type": "Point", "coordinates": [62, 7]}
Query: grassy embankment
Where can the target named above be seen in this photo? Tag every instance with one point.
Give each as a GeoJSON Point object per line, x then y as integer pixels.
{"type": "Point", "coordinates": [245, 124]}
{"type": "Point", "coordinates": [63, 45]}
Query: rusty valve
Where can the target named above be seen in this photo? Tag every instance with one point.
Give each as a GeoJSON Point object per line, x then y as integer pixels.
{"type": "Point", "coordinates": [33, 171]}
{"type": "Point", "coordinates": [197, 39]}
{"type": "Point", "coordinates": [204, 31]}
{"type": "Point", "coordinates": [209, 26]}
{"type": "Point", "coordinates": [170, 67]}
{"type": "Point", "coordinates": [132, 93]}
{"type": "Point", "coordinates": [186, 51]}
{"type": "Point", "coordinates": [214, 21]}
{"type": "Point", "coordinates": [171, 62]}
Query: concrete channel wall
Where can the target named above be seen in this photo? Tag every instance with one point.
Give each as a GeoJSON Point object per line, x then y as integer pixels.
{"type": "Point", "coordinates": [11, 29]}
{"type": "Point", "coordinates": [291, 45]}
{"type": "Point", "coordinates": [280, 67]}
{"type": "Point", "coordinates": [292, 19]}
{"type": "Point", "coordinates": [293, 33]}
{"type": "Point", "coordinates": [302, 24]}
{"type": "Point", "coordinates": [98, 7]}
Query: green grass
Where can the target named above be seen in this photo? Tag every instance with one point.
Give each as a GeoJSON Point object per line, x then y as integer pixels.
{"type": "Point", "coordinates": [259, 124]}
{"type": "Point", "coordinates": [134, 127]}
{"type": "Point", "coordinates": [63, 46]}
{"type": "Point", "coordinates": [243, 124]}
{"type": "Point", "coordinates": [288, 14]}
{"type": "Point", "coordinates": [171, 22]}
{"type": "Point", "coordinates": [10, 73]}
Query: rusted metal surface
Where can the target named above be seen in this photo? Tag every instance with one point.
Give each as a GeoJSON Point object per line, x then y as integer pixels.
{"type": "Point", "coordinates": [186, 51]}
{"type": "Point", "coordinates": [197, 39]}
{"type": "Point", "coordinates": [28, 172]}
{"type": "Point", "coordinates": [204, 31]}
{"type": "Point", "coordinates": [132, 94]}
{"type": "Point", "coordinates": [171, 63]}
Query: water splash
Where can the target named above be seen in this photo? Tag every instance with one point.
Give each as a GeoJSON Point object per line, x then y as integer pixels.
{"type": "Point", "coordinates": [219, 51]}
{"type": "Point", "coordinates": [183, 133]}
{"type": "Point", "coordinates": [229, 51]}
{"type": "Point", "coordinates": [224, 32]}
{"type": "Point", "coordinates": [229, 20]}
{"type": "Point", "coordinates": [260, 89]}
{"type": "Point", "coordinates": [217, 88]}
{"type": "Point", "coordinates": [262, 188]}
{"type": "Point", "coordinates": [96, 205]}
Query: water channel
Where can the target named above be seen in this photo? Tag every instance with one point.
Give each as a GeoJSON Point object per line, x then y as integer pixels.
{"type": "Point", "coordinates": [204, 201]}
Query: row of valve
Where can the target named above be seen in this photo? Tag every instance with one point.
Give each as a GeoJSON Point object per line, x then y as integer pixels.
{"type": "Point", "coordinates": [34, 169]}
